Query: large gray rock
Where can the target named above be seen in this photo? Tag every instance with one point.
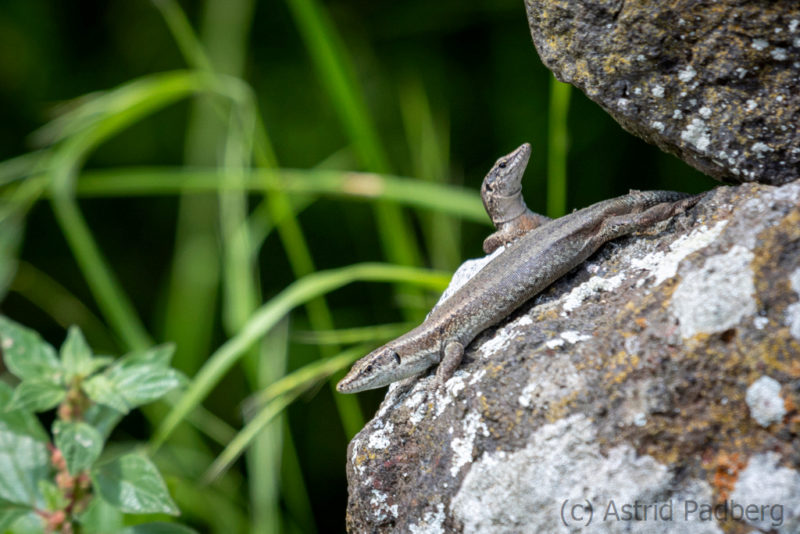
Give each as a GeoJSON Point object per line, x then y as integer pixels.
{"type": "Point", "coordinates": [715, 83]}
{"type": "Point", "coordinates": [663, 371]}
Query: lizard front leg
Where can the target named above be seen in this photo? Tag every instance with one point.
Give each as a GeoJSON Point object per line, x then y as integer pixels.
{"type": "Point", "coordinates": [453, 352]}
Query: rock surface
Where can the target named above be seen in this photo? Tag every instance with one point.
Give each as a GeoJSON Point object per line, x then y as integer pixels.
{"type": "Point", "coordinates": [715, 83]}
{"type": "Point", "coordinates": [664, 371]}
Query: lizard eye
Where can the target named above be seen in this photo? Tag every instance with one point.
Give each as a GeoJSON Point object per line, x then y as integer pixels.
{"type": "Point", "coordinates": [502, 165]}
{"type": "Point", "coordinates": [396, 358]}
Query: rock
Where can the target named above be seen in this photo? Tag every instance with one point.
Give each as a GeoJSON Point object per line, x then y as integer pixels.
{"type": "Point", "coordinates": [662, 374]}
{"type": "Point", "coordinates": [715, 83]}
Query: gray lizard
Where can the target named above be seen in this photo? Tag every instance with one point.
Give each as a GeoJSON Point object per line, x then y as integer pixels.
{"type": "Point", "coordinates": [527, 266]}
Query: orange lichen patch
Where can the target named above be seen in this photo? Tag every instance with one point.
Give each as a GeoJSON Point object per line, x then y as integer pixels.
{"type": "Point", "coordinates": [793, 368]}
{"type": "Point", "coordinates": [792, 418]}
{"type": "Point", "coordinates": [641, 322]}
{"type": "Point", "coordinates": [619, 366]}
{"type": "Point", "coordinates": [559, 410]}
{"type": "Point", "coordinates": [724, 469]}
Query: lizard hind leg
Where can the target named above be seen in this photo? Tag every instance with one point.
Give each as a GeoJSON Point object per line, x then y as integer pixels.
{"type": "Point", "coordinates": [453, 352]}
{"type": "Point", "coordinates": [620, 225]}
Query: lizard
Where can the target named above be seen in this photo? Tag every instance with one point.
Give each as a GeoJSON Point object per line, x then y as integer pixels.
{"type": "Point", "coordinates": [538, 257]}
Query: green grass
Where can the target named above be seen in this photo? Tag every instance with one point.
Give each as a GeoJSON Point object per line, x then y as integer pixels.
{"type": "Point", "coordinates": [260, 328]}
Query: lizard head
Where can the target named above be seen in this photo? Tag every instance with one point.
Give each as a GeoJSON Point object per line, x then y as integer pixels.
{"type": "Point", "coordinates": [505, 177]}
{"type": "Point", "coordinates": [379, 368]}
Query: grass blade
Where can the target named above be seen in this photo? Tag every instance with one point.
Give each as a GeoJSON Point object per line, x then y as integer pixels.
{"type": "Point", "coordinates": [279, 395]}
{"type": "Point", "coordinates": [352, 335]}
{"type": "Point", "coordinates": [338, 76]}
{"type": "Point", "coordinates": [299, 292]}
{"type": "Point", "coordinates": [156, 181]}
{"type": "Point", "coordinates": [557, 146]}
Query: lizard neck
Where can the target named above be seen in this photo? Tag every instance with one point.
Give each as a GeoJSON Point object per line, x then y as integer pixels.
{"type": "Point", "coordinates": [422, 343]}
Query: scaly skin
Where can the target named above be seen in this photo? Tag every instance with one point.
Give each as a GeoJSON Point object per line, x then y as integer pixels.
{"type": "Point", "coordinates": [525, 268]}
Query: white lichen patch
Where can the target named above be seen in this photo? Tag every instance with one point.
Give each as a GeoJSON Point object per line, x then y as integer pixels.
{"type": "Point", "coordinates": [503, 336]}
{"type": "Point", "coordinates": [677, 114]}
{"type": "Point", "coordinates": [759, 149]}
{"type": "Point", "coordinates": [760, 322]}
{"type": "Point", "coordinates": [555, 380]}
{"type": "Point", "coordinates": [573, 336]}
{"type": "Point", "coordinates": [381, 509]}
{"type": "Point", "coordinates": [664, 265]}
{"type": "Point", "coordinates": [687, 74]}
{"type": "Point", "coordinates": [554, 343]}
{"type": "Point", "coordinates": [462, 447]}
{"type": "Point", "coordinates": [510, 492]}
{"type": "Point", "coordinates": [658, 91]}
{"type": "Point", "coordinates": [760, 44]}
{"type": "Point", "coordinates": [382, 438]}
{"type": "Point", "coordinates": [658, 126]}
{"type": "Point", "coordinates": [762, 212]}
{"type": "Point", "coordinates": [636, 402]}
{"type": "Point", "coordinates": [476, 377]}
{"type": "Point", "coordinates": [697, 134]}
{"type": "Point", "coordinates": [355, 447]}
{"type": "Point", "coordinates": [773, 489]}
{"type": "Point", "coordinates": [705, 112]}
{"type": "Point", "coordinates": [431, 522]}
{"type": "Point", "coordinates": [592, 286]}
{"type": "Point", "coordinates": [793, 310]}
{"type": "Point", "coordinates": [717, 296]}
{"type": "Point", "coordinates": [779, 54]}
{"type": "Point", "coordinates": [765, 401]}
{"type": "Point", "coordinates": [416, 406]}
{"type": "Point", "coordinates": [450, 392]}
{"type": "Point", "coordinates": [640, 419]}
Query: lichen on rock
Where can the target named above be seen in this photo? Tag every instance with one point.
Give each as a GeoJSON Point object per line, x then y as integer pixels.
{"type": "Point", "coordinates": [714, 83]}
{"type": "Point", "coordinates": [614, 394]}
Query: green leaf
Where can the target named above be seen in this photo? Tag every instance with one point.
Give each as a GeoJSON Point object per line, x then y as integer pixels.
{"type": "Point", "coordinates": [54, 498]}
{"type": "Point", "coordinates": [142, 377]}
{"type": "Point", "coordinates": [98, 362]}
{"type": "Point", "coordinates": [27, 523]}
{"type": "Point", "coordinates": [140, 384]}
{"type": "Point", "coordinates": [80, 444]}
{"type": "Point", "coordinates": [10, 238]}
{"type": "Point", "coordinates": [24, 459]}
{"type": "Point", "coordinates": [102, 418]}
{"type": "Point", "coordinates": [9, 513]}
{"type": "Point", "coordinates": [36, 395]}
{"type": "Point", "coordinates": [159, 528]}
{"type": "Point", "coordinates": [18, 421]}
{"type": "Point", "coordinates": [25, 353]}
{"type": "Point", "coordinates": [102, 391]}
{"type": "Point", "coordinates": [133, 484]}
{"type": "Point", "coordinates": [159, 356]}
{"type": "Point", "coordinates": [101, 518]}
{"type": "Point", "coordinates": [76, 356]}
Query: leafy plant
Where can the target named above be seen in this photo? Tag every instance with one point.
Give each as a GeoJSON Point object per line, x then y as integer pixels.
{"type": "Point", "coordinates": [63, 483]}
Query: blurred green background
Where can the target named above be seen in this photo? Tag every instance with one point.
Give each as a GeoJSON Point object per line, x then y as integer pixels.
{"type": "Point", "coordinates": [170, 169]}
